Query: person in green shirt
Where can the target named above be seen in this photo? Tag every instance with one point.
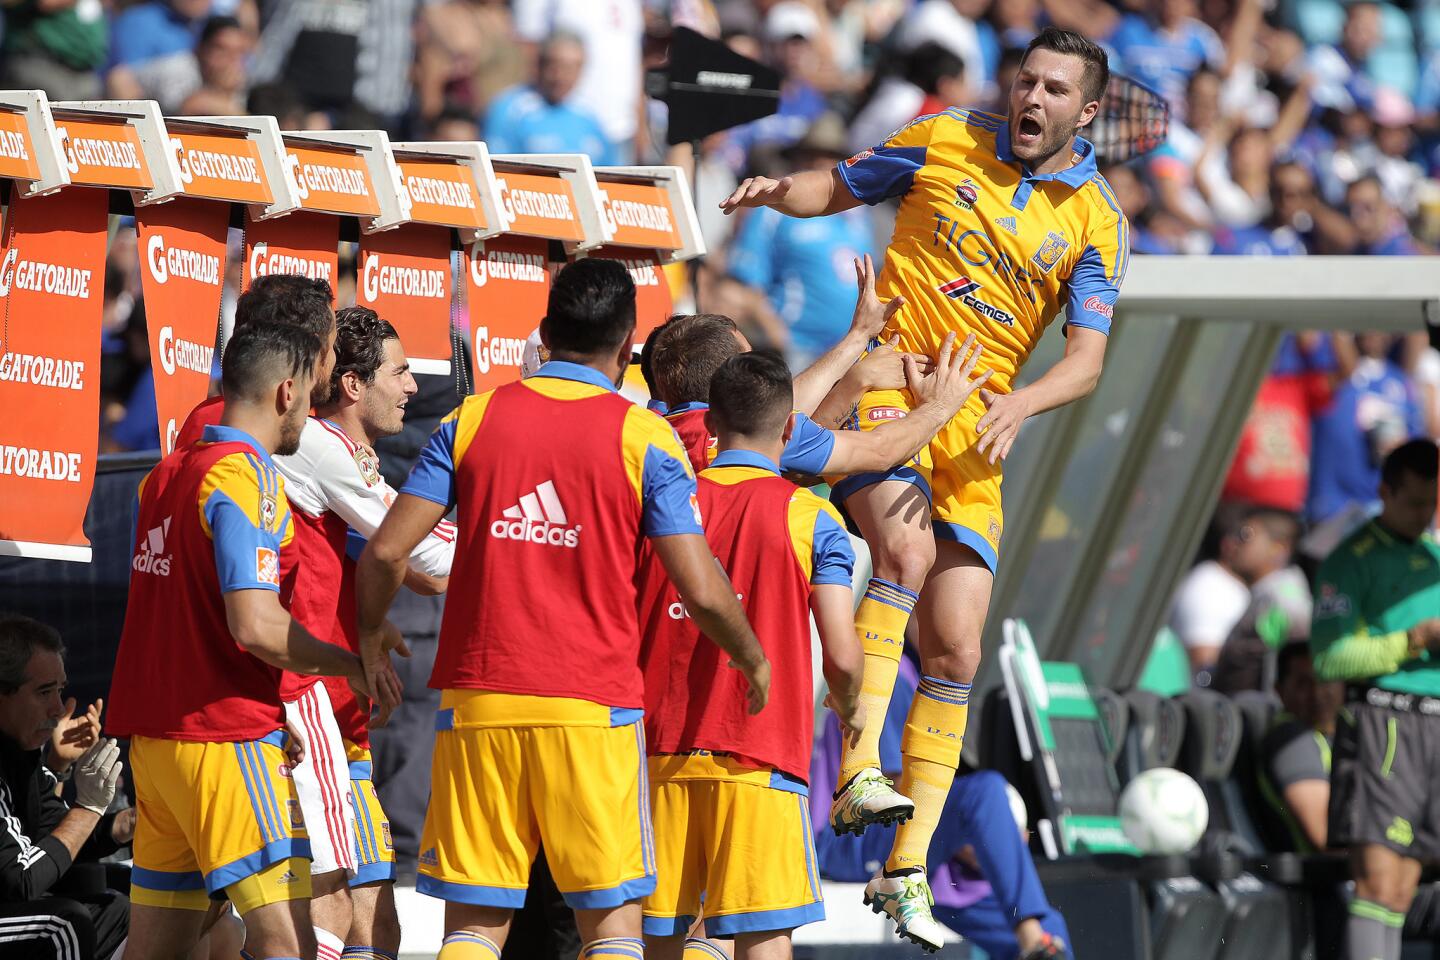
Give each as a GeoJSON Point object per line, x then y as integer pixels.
{"type": "Point", "coordinates": [57, 46]}
{"type": "Point", "coordinates": [1377, 627]}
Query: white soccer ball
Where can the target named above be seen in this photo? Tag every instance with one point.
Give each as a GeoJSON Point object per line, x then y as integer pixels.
{"type": "Point", "coordinates": [1017, 808]}
{"type": "Point", "coordinates": [1163, 811]}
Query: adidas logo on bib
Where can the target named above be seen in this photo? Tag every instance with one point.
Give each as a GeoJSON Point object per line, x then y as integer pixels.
{"type": "Point", "coordinates": [538, 518]}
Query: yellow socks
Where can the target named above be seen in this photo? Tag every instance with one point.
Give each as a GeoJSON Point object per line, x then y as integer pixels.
{"type": "Point", "coordinates": [934, 734]}
{"type": "Point", "coordinates": [697, 949]}
{"type": "Point", "coordinates": [880, 622]}
{"type": "Point", "coordinates": [462, 945]}
{"type": "Point", "coordinates": [614, 948]}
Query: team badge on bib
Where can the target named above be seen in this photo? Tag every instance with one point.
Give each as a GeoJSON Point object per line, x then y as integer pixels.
{"type": "Point", "coordinates": [269, 509]}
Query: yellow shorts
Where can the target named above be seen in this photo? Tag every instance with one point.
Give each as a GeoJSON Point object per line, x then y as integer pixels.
{"type": "Point", "coordinates": [513, 772]}
{"type": "Point", "coordinates": [733, 841]}
{"type": "Point", "coordinates": [962, 485]}
{"type": "Point", "coordinates": [373, 843]}
{"type": "Point", "coordinates": [214, 817]}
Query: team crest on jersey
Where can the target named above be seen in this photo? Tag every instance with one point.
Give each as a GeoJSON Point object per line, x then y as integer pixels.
{"type": "Point", "coordinates": [369, 468]}
{"type": "Point", "coordinates": [966, 194]}
{"type": "Point", "coordinates": [863, 155]}
{"type": "Point", "coordinates": [994, 530]}
{"type": "Point", "coordinates": [385, 835]}
{"type": "Point", "coordinates": [269, 509]}
{"type": "Point", "coordinates": [1050, 252]}
{"type": "Point", "coordinates": [267, 566]}
{"type": "Point", "coordinates": [297, 819]}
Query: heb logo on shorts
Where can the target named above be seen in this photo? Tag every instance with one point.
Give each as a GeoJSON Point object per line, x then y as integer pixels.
{"type": "Point", "coordinates": [151, 556]}
{"type": "Point", "coordinates": [1096, 305]}
{"type": "Point", "coordinates": [538, 518]}
{"type": "Point", "coordinates": [881, 414]}
{"type": "Point", "coordinates": [267, 566]}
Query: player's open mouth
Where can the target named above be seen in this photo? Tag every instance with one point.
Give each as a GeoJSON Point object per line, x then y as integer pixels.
{"type": "Point", "coordinates": [1029, 130]}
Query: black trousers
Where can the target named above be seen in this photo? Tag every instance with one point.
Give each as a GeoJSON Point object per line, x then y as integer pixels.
{"type": "Point", "coordinates": [64, 928]}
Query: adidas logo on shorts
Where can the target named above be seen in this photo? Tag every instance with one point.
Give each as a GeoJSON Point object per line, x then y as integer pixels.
{"type": "Point", "coordinates": [538, 518]}
{"type": "Point", "coordinates": [429, 858]}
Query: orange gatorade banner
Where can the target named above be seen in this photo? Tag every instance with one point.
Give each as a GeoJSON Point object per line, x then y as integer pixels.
{"type": "Point", "coordinates": [17, 153]}
{"type": "Point", "coordinates": [508, 289]}
{"type": "Point", "coordinates": [404, 275]}
{"type": "Point", "coordinates": [220, 167]}
{"type": "Point", "coordinates": [52, 281]}
{"type": "Point", "coordinates": [639, 215]}
{"type": "Point", "coordinates": [303, 243]}
{"type": "Point", "coordinates": [103, 153]}
{"type": "Point", "coordinates": [539, 206]}
{"type": "Point", "coordinates": [332, 180]}
{"type": "Point", "coordinates": [443, 192]}
{"type": "Point", "coordinates": [652, 291]}
{"type": "Point", "coordinates": [182, 246]}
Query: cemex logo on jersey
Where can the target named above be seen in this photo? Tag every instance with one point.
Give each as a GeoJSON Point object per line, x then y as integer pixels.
{"type": "Point", "coordinates": [151, 556]}
{"type": "Point", "coordinates": [963, 289]}
{"type": "Point", "coordinates": [959, 287]}
{"type": "Point", "coordinates": [538, 518]}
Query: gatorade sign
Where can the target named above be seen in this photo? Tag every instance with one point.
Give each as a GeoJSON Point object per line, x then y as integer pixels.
{"type": "Point", "coordinates": [442, 192]}
{"type": "Point", "coordinates": [219, 167]}
{"type": "Point", "coordinates": [539, 206]}
{"type": "Point", "coordinates": [653, 303]}
{"type": "Point", "coordinates": [17, 153]}
{"type": "Point", "coordinates": [404, 275]}
{"type": "Point", "coordinates": [303, 243]}
{"type": "Point", "coordinates": [103, 153]}
{"type": "Point", "coordinates": [182, 252]}
{"type": "Point", "coordinates": [53, 268]}
{"type": "Point", "coordinates": [508, 286]}
{"type": "Point", "coordinates": [331, 180]}
{"type": "Point", "coordinates": [639, 215]}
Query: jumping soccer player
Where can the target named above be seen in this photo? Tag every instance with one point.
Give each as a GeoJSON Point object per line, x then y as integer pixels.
{"type": "Point", "coordinates": [557, 480]}
{"type": "Point", "coordinates": [276, 298]}
{"type": "Point", "coordinates": [338, 497]}
{"type": "Point", "coordinates": [197, 676]}
{"type": "Point", "coordinates": [1002, 222]}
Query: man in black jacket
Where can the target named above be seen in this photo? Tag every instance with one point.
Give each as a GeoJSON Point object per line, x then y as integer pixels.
{"type": "Point", "coordinates": [46, 913]}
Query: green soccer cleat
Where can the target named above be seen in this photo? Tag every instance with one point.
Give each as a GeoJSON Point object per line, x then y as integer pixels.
{"type": "Point", "coordinates": [907, 900]}
{"type": "Point", "coordinates": [868, 798]}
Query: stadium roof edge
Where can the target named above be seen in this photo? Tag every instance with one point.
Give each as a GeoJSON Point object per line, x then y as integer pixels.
{"type": "Point", "coordinates": [1342, 293]}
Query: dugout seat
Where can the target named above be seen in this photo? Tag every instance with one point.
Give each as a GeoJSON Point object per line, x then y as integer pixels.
{"type": "Point", "coordinates": [1154, 731]}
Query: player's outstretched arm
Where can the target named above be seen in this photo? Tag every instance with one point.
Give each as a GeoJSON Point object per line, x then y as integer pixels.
{"type": "Point", "coordinates": [810, 193]}
{"type": "Point", "coordinates": [1073, 377]}
{"type": "Point", "coordinates": [264, 629]}
{"type": "Point", "coordinates": [382, 568]}
{"type": "Point", "coordinates": [942, 393]}
{"type": "Point", "coordinates": [872, 315]}
{"type": "Point", "coordinates": [710, 599]}
{"type": "Point", "coordinates": [842, 659]}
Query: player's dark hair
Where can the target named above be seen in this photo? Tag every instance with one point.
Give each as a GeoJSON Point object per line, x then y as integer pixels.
{"type": "Point", "coordinates": [1285, 660]}
{"type": "Point", "coordinates": [1417, 458]}
{"type": "Point", "coordinates": [360, 336]}
{"type": "Point", "coordinates": [290, 299]}
{"type": "Point", "coordinates": [688, 351]}
{"type": "Point", "coordinates": [647, 360]}
{"type": "Point", "coordinates": [591, 308]}
{"type": "Point", "coordinates": [260, 355]}
{"type": "Point", "coordinates": [1070, 43]}
{"type": "Point", "coordinates": [752, 395]}
{"type": "Point", "coordinates": [20, 637]}
{"type": "Point", "coordinates": [216, 25]}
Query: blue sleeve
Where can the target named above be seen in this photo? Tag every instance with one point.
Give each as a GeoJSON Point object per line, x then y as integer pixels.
{"type": "Point", "coordinates": [498, 126]}
{"type": "Point", "coordinates": [433, 476]}
{"type": "Point", "coordinates": [752, 260]}
{"type": "Point", "coordinates": [809, 448]}
{"type": "Point", "coordinates": [354, 544]}
{"type": "Point", "coordinates": [881, 173]}
{"type": "Point", "coordinates": [1094, 291]}
{"type": "Point", "coordinates": [244, 552]}
{"type": "Point", "coordinates": [667, 493]}
{"type": "Point", "coordinates": [130, 35]}
{"type": "Point", "coordinates": [834, 558]}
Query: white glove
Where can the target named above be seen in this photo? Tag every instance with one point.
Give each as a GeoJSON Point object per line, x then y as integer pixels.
{"type": "Point", "coordinates": [96, 774]}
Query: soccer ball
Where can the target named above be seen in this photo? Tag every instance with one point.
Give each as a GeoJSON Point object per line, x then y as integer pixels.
{"type": "Point", "coordinates": [1163, 811]}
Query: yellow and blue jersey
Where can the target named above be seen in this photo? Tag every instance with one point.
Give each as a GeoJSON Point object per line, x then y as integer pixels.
{"type": "Point", "coordinates": [984, 246]}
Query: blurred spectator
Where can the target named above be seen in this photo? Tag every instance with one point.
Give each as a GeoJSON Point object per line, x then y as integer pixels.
{"type": "Point", "coordinates": [454, 125]}
{"type": "Point", "coordinates": [950, 23]}
{"type": "Point", "coordinates": [224, 46]}
{"type": "Point", "coordinates": [932, 79]}
{"type": "Point", "coordinates": [546, 117]}
{"type": "Point", "coordinates": [1163, 46]}
{"type": "Point", "coordinates": [465, 55]}
{"type": "Point", "coordinates": [610, 30]}
{"type": "Point", "coordinates": [1343, 71]}
{"type": "Point", "coordinates": [57, 46]}
{"type": "Point", "coordinates": [1280, 604]}
{"type": "Point", "coordinates": [1379, 230]}
{"type": "Point", "coordinates": [1372, 412]}
{"type": "Point", "coordinates": [279, 101]}
{"type": "Point", "coordinates": [1213, 596]}
{"type": "Point", "coordinates": [1134, 195]}
{"type": "Point", "coordinates": [335, 55]}
{"type": "Point", "coordinates": [152, 52]}
{"type": "Point", "coordinates": [805, 268]}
